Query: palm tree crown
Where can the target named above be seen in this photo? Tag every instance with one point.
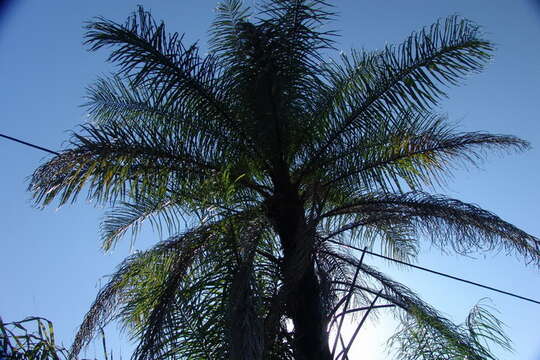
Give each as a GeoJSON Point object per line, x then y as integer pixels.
{"type": "Point", "coordinates": [264, 161]}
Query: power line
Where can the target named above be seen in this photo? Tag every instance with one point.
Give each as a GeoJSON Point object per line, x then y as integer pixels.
{"type": "Point", "coordinates": [437, 272]}
{"type": "Point", "coordinates": [29, 144]}
{"type": "Point", "coordinates": [349, 246]}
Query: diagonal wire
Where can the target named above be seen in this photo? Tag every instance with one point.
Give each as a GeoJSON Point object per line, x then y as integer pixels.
{"type": "Point", "coordinates": [438, 273]}
{"type": "Point", "coordinates": [29, 144]}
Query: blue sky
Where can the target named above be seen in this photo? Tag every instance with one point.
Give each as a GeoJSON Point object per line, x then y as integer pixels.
{"type": "Point", "coordinates": [51, 262]}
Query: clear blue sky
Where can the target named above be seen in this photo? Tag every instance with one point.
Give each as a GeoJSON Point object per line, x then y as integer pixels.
{"type": "Point", "coordinates": [51, 262]}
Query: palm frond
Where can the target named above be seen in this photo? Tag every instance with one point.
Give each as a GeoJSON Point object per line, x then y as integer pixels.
{"type": "Point", "coordinates": [119, 101]}
{"type": "Point", "coordinates": [180, 291]}
{"type": "Point", "coordinates": [116, 162]}
{"type": "Point", "coordinates": [149, 56]}
{"type": "Point", "coordinates": [394, 237]}
{"type": "Point", "coordinates": [411, 75]}
{"type": "Point", "coordinates": [225, 33]}
{"type": "Point", "coordinates": [130, 216]}
{"type": "Point", "coordinates": [231, 320]}
{"type": "Point", "coordinates": [141, 273]}
{"type": "Point", "coordinates": [415, 150]}
{"type": "Point", "coordinates": [447, 339]}
{"type": "Point", "coordinates": [417, 340]}
{"type": "Point", "coordinates": [447, 222]}
{"type": "Point", "coordinates": [158, 307]}
{"type": "Point", "coordinates": [485, 327]}
{"type": "Point", "coordinates": [299, 26]}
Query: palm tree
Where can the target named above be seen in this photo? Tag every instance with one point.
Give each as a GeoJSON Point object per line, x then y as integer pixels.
{"type": "Point", "coordinates": [265, 162]}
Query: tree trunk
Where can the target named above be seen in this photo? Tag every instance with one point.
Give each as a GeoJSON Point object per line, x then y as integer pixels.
{"type": "Point", "coordinates": [306, 312]}
{"type": "Point", "coordinates": [303, 293]}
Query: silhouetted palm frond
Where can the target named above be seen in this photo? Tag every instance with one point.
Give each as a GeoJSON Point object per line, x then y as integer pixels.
{"type": "Point", "coordinates": [446, 222]}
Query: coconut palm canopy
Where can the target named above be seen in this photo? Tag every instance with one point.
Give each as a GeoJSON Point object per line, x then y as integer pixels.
{"type": "Point", "coordinates": [264, 161]}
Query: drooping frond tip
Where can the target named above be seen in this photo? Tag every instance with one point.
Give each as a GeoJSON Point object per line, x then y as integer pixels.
{"type": "Point", "coordinates": [138, 279]}
{"type": "Point", "coordinates": [416, 340]}
{"type": "Point", "coordinates": [425, 333]}
{"type": "Point", "coordinates": [446, 222]}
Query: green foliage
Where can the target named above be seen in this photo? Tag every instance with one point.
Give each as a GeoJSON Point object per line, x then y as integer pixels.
{"type": "Point", "coordinates": [417, 338]}
{"type": "Point", "coordinates": [33, 339]}
{"type": "Point", "coordinates": [262, 161]}
{"type": "Point", "coordinates": [19, 343]}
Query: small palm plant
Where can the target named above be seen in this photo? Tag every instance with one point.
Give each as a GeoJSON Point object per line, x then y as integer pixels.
{"type": "Point", "coordinates": [33, 339]}
{"type": "Point", "coordinates": [265, 163]}
{"type": "Point", "coordinates": [17, 342]}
